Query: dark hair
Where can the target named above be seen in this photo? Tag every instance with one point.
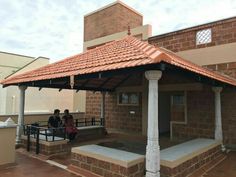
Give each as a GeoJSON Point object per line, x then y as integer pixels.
{"type": "Point", "coordinates": [66, 111]}
{"type": "Point", "coordinates": [56, 111]}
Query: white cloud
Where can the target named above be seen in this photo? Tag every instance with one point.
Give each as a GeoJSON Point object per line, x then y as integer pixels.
{"type": "Point", "coordinates": [55, 28]}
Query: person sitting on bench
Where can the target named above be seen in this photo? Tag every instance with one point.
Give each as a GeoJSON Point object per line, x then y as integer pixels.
{"type": "Point", "coordinates": [71, 130]}
{"type": "Point", "coordinates": [55, 122]}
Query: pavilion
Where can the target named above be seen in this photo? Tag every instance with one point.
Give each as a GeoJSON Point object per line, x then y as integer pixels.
{"type": "Point", "coordinates": [107, 67]}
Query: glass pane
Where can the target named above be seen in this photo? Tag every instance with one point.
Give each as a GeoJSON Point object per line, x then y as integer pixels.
{"type": "Point", "coordinates": [133, 98]}
{"type": "Point", "coordinates": [178, 99]}
{"type": "Point", "coordinates": [124, 98]}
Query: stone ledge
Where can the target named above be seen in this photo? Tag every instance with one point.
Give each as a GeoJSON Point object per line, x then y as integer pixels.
{"type": "Point", "coordinates": [176, 155]}
{"type": "Point", "coordinates": [122, 158]}
{"type": "Point", "coordinates": [190, 166]}
{"type": "Point", "coordinates": [94, 161]}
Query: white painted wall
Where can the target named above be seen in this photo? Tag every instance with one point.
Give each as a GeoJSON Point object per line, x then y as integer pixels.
{"type": "Point", "coordinates": [36, 101]}
{"type": "Point", "coordinates": [224, 53]}
{"type": "Point", "coordinates": [2, 100]}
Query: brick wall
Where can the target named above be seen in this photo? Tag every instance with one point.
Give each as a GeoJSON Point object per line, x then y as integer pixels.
{"type": "Point", "coordinates": [228, 102]}
{"type": "Point", "coordinates": [93, 167]}
{"type": "Point", "coordinates": [55, 148]}
{"type": "Point", "coordinates": [113, 19]}
{"type": "Point", "coordinates": [223, 32]}
{"type": "Point", "coordinates": [200, 116]}
{"type": "Point", "coordinates": [116, 117]}
{"type": "Point", "coordinates": [190, 166]}
{"type": "Point", "coordinates": [225, 68]}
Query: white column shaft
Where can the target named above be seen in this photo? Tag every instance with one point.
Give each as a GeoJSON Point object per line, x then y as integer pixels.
{"type": "Point", "coordinates": [218, 117]}
{"type": "Point", "coordinates": [153, 148]}
{"type": "Point", "coordinates": [21, 113]}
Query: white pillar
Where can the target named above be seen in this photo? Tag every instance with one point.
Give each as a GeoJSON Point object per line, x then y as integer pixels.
{"type": "Point", "coordinates": [103, 108]}
{"type": "Point", "coordinates": [20, 114]}
{"type": "Point", "coordinates": [218, 117]}
{"type": "Point", "coordinates": [153, 148]}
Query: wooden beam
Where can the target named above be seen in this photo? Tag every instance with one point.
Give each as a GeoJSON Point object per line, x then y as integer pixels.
{"type": "Point", "coordinates": [60, 87]}
{"type": "Point", "coordinates": [107, 80]}
{"type": "Point", "coordinates": [121, 82]}
{"type": "Point", "coordinates": [181, 87]}
{"type": "Point", "coordinates": [84, 83]}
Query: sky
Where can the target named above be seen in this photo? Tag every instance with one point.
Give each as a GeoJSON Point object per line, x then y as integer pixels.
{"type": "Point", "coordinates": [54, 28]}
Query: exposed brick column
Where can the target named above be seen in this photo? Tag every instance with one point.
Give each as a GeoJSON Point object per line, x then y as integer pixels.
{"type": "Point", "coordinates": [153, 147]}
{"type": "Point", "coordinates": [218, 117]}
{"type": "Point", "coordinates": [103, 108]}
{"type": "Point", "coordinates": [21, 113]}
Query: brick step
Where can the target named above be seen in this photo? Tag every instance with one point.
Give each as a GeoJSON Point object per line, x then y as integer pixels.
{"type": "Point", "coordinates": [204, 169]}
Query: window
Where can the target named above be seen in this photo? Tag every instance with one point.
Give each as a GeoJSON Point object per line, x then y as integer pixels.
{"type": "Point", "coordinates": [177, 99]}
{"type": "Point", "coordinates": [203, 36]}
{"type": "Point", "coordinates": [128, 98]}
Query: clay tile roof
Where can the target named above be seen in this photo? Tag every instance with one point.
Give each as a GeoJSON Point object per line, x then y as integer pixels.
{"type": "Point", "coordinates": [125, 53]}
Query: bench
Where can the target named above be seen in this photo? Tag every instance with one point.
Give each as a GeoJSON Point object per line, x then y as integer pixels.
{"type": "Point", "coordinates": [97, 160]}
{"type": "Point", "coordinates": [90, 132]}
{"type": "Point", "coordinates": [189, 156]}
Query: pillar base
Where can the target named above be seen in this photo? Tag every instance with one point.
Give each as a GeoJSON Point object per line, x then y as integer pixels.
{"type": "Point", "coordinates": [223, 149]}
{"type": "Point", "coordinates": [18, 142]}
{"type": "Point", "coordinates": [150, 174]}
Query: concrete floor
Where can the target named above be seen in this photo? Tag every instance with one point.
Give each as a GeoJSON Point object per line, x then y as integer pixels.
{"type": "Point", "coordinates": [30, 167]}
{"type": "Point", "coordinates": [227, 168]}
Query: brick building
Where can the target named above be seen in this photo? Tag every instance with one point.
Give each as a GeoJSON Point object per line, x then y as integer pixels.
{"type": "Point", "coordinates": [211, 45]}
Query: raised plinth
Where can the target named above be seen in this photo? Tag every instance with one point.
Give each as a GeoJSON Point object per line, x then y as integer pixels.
{"type": "Point", "coordinates": [185, 158]}
{"type": "Point", "coordinates": [102, 161]}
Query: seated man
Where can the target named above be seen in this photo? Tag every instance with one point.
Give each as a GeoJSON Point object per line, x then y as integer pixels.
{"type": "Point", "coordinates": [54, 121]}
{"type": "Point", "coordinates": [71, 130]}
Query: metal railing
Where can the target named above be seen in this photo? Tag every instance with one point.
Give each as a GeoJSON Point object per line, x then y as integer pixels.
{"type": "Point", "coordinates": [47, 134]}
{"type": "Point", "coordinates": [40, 131]}
{"type": "Point", "coordinates": [88, 122]}
{"type": "Point", "coordinates": [81, 122]}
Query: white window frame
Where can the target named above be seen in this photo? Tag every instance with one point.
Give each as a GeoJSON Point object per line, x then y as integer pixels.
{"type": "Point", "coordinates": [200, 33]}
{"type": "Point", "coordinates": [185, 114]}
{"type": "Point", "coordinates": [127, 104]}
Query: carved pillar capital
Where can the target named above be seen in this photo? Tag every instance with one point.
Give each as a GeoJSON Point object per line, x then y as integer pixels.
{"type": "Point", "coordinates": [153, 74]}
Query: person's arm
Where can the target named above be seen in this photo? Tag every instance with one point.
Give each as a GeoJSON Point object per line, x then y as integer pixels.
{"type": "Point", "coordinates": [50, 122]}
{"type": "Point", "coordinates": [59, 121]}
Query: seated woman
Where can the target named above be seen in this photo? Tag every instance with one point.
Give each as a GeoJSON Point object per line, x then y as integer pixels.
{"type": "Point", "coordinates": [71, 130]}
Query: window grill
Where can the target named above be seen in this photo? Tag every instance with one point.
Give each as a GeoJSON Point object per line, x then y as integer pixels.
{"type": "Point", "coordinates": [203, 36]}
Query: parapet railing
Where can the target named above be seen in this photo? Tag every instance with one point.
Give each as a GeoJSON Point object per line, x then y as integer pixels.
{"type": "Point", "coordinates": [41, 131]}
{"type": "Point", "coordinates": [81, 122]}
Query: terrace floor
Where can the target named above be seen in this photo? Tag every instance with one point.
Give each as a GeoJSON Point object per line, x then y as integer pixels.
{"type": "Point", "coordinates": [27, 166]}
{"type": "Point", "coordinates": [31, 165]}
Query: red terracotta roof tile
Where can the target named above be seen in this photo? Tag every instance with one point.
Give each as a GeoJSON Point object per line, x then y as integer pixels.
{"type": "Point", "coordinates": [124, 53]}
